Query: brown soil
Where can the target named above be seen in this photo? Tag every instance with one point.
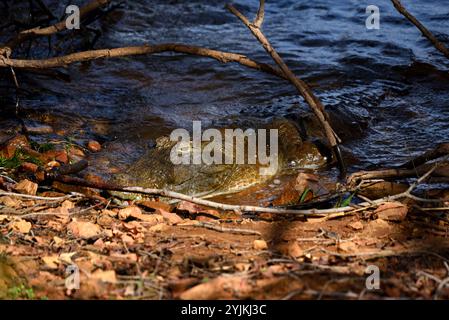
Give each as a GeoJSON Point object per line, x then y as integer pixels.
{"type": "Point", "coordinates": [146, 258]}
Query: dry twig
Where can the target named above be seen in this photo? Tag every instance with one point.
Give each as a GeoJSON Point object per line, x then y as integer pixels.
{"type": "Point", "coordinates": [436, 43]}
{"type": "Point", "coordinates": [305, 91]}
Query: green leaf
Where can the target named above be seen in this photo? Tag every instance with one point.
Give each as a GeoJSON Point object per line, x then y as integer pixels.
{"type": "Point", "coordinates": [304, 195]}
{"type": "Point", "coordinates": [347, 201]}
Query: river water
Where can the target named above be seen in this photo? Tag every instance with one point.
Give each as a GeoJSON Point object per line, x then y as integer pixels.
{"type": "Point", "coordinates": [390, 83]}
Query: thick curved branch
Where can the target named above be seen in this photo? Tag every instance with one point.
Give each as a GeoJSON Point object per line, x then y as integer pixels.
{"type": "Point", "coordinates": [64, 61]}
{"type": "Point", "coordinates": [436, 43]}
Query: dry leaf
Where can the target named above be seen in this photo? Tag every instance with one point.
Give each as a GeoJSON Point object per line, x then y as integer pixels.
{"type": "Point", "coordinates": [392, 211]}
{"type": "Point", "coordinates": [84, 230]}
{"type": "Point", "coordinates": [21, 226]}
{"type": "Point", "coordinates": [171, 218]}
{"type": "Point", "coordinates": [10, 202]}
{"type": "Point", "coordinates": [66, 257]}
{"type": "Point", "coordinates": [131, 211]}
{"type": "Point", "coordinates": [51, 262]}
{"type": "Point", "coordinates": [105, 276]}
{"type": "Point", "coordinates": [26, 187]}
{"type": "Point", "coordinates": [260, 245]}
{"type": "Point", "coordinates": [58, 240]}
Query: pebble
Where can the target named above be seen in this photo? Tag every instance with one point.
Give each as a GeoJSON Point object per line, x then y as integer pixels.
{"type": "Point", "coordinates": [93, 146]}
{"type": "Point", "coordinates": [26, 187]}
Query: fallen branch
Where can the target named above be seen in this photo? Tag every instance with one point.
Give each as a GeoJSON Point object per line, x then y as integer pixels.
{"type": "Point", "coordinates": [218, 228]}
{"type": "Point", "coordinates": [84, 56]}
{"type": "Point", "coordinates": [199, 201]}
{"type": "Point", "coordinates": [394, 173]}
{"type": "Point", "coordinates": [244, 208]}
{"type": "Point", "coordinates": [27, 196]}
{"type": "Point", "coordinates": [440, 151]}
{"type": "Point", "coordinates": [436, 43]}
{"type": "Point", "coordinates": [305, 91]}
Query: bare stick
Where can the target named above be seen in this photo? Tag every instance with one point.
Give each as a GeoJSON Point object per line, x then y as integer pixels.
{"type": "Point", "coordinates": [218, 228]}
{"type": "Point", "coordinates": [398, 173]}
{"type": "Point", "coordinates": [305, 91]}
{"type": "Point", "coordinates": [63, 61]}
{"type": "Point", "coordinates": [203, 202]}
{"type": "Point", "coordinates": [27, 196]}
{"type": "Point", "coordinates": [436, 43]}
{"type": "Point", "coordinates": [243, 208]}
{"type": "Point", "coordinates": [260, 14]}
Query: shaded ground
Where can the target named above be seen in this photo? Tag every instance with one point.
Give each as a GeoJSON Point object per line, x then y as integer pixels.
{"type": "Point", "coordinates": [142, 252]}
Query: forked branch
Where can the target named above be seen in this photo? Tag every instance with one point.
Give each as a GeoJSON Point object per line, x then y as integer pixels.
{"type": "Point", "coordinates": [305, 91]}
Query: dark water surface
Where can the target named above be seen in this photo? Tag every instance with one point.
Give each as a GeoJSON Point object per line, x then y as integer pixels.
{"type": "Point", "coordinates": [391, 80]}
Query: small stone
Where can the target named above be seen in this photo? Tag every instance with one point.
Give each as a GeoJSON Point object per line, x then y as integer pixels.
{"type": "Point", "coordinates": [347, 247]}
{"type": "Point", "coordinates": [392, 211]}
{"type": "Point", "coordinates": [56, 155]}
{"type": "Point", "coordinates": [93, 146]}
{"type": "Point", "coordinates": [74, 151]}
{"type": "Point", "coordinates": [40, 175]}
{"type": "Point", "coordinates": [94, 178]}
{"type": "Point", "coordinates": [291, 249]}
{"type": "Point", "coordinates": [39, 129]}
{"type": "Point", "coordinates": [158, 228]}
{"type": "Point", "coordinates": [26, 187]}
{"type": "Point", "coordinates": [53, 164]}
{"type": "Point", "coordinates": [17, 142]}
{"type": "Point", "coordinates": [99, 244]}
{"type": "Point", "coordinates": [356, 225]}
{"type": "Point", "coordinates": [304, 181]}
{"type": "Point", "coordinates": [29, 167]}
{"type": "Point", "coordinates": [260, 245]}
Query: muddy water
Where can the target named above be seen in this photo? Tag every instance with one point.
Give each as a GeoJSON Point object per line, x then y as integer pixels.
{"type": "Point", "coordinates": [391, 83]}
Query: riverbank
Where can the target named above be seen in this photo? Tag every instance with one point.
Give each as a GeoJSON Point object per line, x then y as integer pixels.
{"type": "Point", "coordinates": [150, 249]}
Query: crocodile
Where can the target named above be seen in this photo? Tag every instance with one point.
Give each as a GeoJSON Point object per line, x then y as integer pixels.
{"type": "Point", "coordinates": [155, 169]}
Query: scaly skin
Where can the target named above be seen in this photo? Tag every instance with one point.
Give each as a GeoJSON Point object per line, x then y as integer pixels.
{"type": "Point", "coordinates": [155, 170]}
